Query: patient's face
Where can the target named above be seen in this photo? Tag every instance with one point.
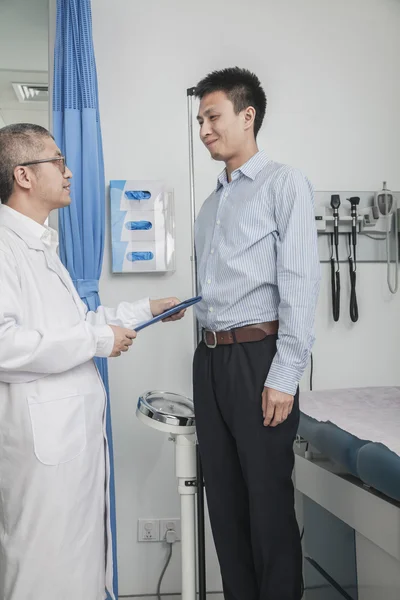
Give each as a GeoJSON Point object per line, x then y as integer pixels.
{"type": "Point", "coordinates": [52, 180]}
{"type": "Point", "coordinates": [222, 131]}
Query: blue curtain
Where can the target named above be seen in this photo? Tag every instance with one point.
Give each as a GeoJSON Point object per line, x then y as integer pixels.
{"type": "Point", "coordinates": [76, 128]}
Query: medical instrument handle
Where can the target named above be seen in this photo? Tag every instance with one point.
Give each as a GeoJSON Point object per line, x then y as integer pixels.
{"type": "Point", "coordinates": [335, 282]}
{"type": "Point", "coordinates": [354, 201]}
{"type": "Point", "coordinates": [353, 295]}
{"type": "Point", "coordinates": [336, 230]}
{"type": "Point", "coordinates": [335, 203]}
{"type": "Point", "coordinates": [352, 272]}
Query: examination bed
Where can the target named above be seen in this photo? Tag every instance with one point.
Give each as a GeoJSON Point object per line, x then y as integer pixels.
{"type": "Point", "coordinates": [348, 476]}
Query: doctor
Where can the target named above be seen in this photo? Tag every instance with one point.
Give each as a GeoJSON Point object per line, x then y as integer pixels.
{"type": "Point", "coordinates": [53, 460]}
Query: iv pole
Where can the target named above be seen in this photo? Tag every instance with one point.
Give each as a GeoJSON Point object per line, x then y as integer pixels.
{"type": "Point", "coordinates": [201, 551]}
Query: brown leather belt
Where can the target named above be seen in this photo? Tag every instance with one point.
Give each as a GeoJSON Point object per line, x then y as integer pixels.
{"type": "Point", "coordinates": [240, 335]}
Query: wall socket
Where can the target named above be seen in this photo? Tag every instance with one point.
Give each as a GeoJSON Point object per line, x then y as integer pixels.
{"type": "Point", "coordinates": [166, 524]}
{"type": "Point", "coordinates": [155, 530]}
{"type": "Point", "coordinates": [148, 530]}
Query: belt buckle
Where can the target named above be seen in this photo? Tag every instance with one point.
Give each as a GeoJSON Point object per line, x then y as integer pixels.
{"type": "Point", "coordinates": [214, 345]}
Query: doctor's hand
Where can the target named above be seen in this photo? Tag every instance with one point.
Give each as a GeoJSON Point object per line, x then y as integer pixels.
{"type": "Point", "coordinates": [157, 307]}
{"type": "Point", "coordinates": [276, 406]}
{"type": "Point", "coordinates": [122, 340]}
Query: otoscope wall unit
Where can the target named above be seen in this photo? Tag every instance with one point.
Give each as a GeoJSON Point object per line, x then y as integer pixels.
{"type": "Point", "coordinates": [375, 216]}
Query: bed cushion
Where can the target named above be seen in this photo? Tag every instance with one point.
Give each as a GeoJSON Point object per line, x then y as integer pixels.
{"type": "Point", "coordinates": [339, 445]}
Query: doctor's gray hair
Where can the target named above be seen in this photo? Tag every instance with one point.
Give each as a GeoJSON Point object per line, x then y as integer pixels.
{"type": "Point", "coordinates": [19, 143]}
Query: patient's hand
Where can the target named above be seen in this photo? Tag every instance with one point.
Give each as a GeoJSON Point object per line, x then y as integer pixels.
{"type": "Point", "coordinates": [276, 406]}
{"type": "Point", "coordinates": [157, 307]}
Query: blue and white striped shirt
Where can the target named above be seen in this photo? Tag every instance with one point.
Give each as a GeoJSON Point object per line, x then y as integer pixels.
{"type": "Point", "coordinates": [257, 260]}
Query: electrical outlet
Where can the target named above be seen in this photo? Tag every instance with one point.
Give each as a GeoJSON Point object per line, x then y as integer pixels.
{"type": "Point", "coordinates": [166, 524]}
{"type": "Point", "coordinates": [148, 530]}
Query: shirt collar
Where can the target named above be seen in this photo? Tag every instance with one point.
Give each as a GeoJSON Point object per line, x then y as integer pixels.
{"type": "Point", "coordinates": [250, 169]}
{"type": "Point", "coordinates": [33, 233]}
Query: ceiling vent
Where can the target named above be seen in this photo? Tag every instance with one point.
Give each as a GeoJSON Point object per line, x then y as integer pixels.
{"type": "Point", "coordinates": [31, 92]}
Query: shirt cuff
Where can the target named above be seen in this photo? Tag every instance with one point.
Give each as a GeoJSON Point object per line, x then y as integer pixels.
{"type": "Point", "coordinates": [283, 379]}
{"type": "Point", "coordinates": [104, 340]}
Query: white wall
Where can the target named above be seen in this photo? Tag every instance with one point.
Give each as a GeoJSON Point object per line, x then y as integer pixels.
{"type": "Point", "coordinates": [331, 72]}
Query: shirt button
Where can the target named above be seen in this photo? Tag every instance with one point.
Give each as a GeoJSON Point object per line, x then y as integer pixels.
{"type": "Point", "coordinates": [211, 309]}
{"type": "Point", "coordinates": [208, 280]}
{"type": "Point", "coordinates": [218, 222]}
{"type": "Point", "coordinates": [212, 250]}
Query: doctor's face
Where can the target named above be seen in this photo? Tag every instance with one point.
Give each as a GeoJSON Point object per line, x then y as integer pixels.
{"type": "Point", "coordinates": [52, 177]}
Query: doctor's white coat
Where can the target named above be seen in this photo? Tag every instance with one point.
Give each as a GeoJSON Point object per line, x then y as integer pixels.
{"type": "Point", "coordinates": [54, 526]}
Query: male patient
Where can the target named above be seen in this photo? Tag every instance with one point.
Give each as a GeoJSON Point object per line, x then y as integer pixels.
{"type": "Point", "coordinates": [53, 468]}
{"type": "Point", "coordinates": [258, 273]}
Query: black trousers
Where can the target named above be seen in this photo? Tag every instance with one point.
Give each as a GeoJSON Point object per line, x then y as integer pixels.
{"type": "Point", "coordinates": [247, 471]}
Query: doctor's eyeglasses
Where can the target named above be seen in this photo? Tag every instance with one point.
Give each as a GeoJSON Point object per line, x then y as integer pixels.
{"type": "Point", "coordinates": [59, 160]}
